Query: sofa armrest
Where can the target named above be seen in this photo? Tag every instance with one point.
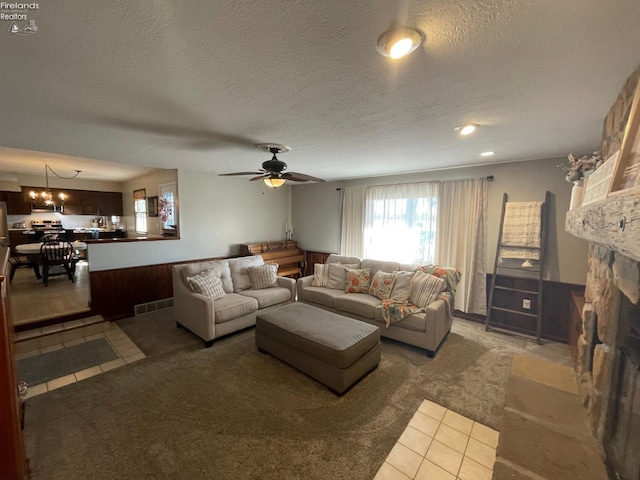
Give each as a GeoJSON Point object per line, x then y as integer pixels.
{"type": "Point", "coordinates": [193, 311]}
{"type": "Point", "coordinates": [303, 282]}
{"type": "Point", "coordinates": [289, 283]}
{"type": "Point", "coordinates": [437, 321]}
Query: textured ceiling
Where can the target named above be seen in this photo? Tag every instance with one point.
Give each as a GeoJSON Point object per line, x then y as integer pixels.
{"type": "Point", "coordinates": [193, 84]}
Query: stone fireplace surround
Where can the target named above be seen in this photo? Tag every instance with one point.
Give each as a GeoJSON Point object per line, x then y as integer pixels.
{"type": "Point", "coordinates": [612, 227]}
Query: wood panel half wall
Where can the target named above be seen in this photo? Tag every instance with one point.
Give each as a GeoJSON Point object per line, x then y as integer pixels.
{"type": "Point", "coordinates": [114, 293]}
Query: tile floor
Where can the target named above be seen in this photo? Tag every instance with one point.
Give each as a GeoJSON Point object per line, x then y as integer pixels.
{"type": "Point", "coordinates": [74, 333]}
{"type": "Point", "coordinates": [439, 444]}
{"type": "Point", "coordinates": [31, 301]}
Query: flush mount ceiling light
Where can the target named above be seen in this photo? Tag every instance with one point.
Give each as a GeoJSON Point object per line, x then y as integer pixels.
{"type": "Point", "coordinates": [398, 42]}
{"type": "Point", "coordinates": [487, 154]}
{"type": "Point", "coordinates": [466, 129]}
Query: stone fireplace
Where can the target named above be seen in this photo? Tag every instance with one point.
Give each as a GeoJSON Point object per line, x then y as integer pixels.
{"type": "Point", "coordinates": [608, 351]}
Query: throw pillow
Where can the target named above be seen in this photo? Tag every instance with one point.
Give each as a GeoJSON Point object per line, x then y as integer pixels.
{"type": "Point", "coordinates": [207, 283]}
{"type": "Point", "coordinates": [337, 276]}
{"type": "Point", "coordinates": [402, 286]}
{"type": "Point", "coordinates": [425, 289]}
{"type": "Point", "coordinates": [320, 273]}
{"type": "Point", "coordinates": [382, 284]}
{"type": "Point", "coordinates": [264, 276]}
{"type": "Point", "coordinates": [358, 280]}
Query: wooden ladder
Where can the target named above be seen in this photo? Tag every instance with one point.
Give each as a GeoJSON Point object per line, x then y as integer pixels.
{"type": "Point", "coordinates": [525, 275]}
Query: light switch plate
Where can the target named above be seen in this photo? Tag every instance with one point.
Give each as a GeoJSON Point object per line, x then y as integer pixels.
{"type": "Point", "coordinates": [526, 303]}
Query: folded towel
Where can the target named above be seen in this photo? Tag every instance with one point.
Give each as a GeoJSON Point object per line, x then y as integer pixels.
{"type": "Point", "coordinates": [522, 226]}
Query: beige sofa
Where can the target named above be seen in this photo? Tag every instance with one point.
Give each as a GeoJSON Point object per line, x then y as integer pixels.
{"type": "Point", "coordinates": [210, 319]}
{"type": "Point", "coordinates": [426, 330]}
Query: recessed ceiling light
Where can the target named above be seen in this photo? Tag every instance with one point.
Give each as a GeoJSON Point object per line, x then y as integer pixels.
{"type": "Point", "coordinates": [487, 154]}
{"type": "Point", "coordinates": [398, 42]}
{"type": "Point", "coordinates": [466, 129]}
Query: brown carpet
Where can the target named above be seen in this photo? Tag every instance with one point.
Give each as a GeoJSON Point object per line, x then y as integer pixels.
{"type": "Point", "coordinates": [229, 412]}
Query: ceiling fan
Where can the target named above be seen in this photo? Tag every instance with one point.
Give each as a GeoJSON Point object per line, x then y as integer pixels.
{"type": "Point", "coordinates": [273, 170]}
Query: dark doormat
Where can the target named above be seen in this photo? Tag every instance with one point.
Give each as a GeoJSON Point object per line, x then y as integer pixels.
{"type": "Point", "coordinates": [47, 366]}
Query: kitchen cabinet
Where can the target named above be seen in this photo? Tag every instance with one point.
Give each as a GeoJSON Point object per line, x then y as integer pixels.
{"type": "Point", "coordinates": [82, 202]}
{"type": "Point", "coordinates": [15, 203]}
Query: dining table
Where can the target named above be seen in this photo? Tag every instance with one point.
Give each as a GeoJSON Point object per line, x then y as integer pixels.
{"type": "Point", "coordinates": [34, 248]}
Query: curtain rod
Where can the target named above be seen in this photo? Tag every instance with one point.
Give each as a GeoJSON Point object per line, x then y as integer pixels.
{"type": "Point", "coordinates": [490, 178]}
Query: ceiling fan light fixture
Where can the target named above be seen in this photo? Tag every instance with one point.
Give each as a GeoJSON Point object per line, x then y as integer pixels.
{"type": "Point", "coordinates": [399, 42]}
{"type": "Point", "coordinates": [274, 182]}
{"type": "Point", "coordinates": [466, 129]}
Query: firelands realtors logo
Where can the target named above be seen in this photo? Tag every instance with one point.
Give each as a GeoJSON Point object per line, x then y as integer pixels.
{"type": "Point", "coordinates": [19, 16]}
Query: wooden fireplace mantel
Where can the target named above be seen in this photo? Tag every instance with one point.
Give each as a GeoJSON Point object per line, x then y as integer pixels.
{"type": "Point", "coordinates": [613, 222]}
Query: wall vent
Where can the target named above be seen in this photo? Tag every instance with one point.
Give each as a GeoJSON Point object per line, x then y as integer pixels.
{"type": "Point", "coordinates": [143, 308]}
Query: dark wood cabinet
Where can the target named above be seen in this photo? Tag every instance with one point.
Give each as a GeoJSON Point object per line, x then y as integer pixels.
{"type": "Point", "coordinates": [78, 202]}
{"type": "Point", "coordinates": [15, 203]}
{"type": "Point", "coordinates": [13, 461]}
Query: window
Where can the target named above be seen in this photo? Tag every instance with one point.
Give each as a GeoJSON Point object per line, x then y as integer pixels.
{"type": "Point", "coordinates": [168, 202]}
{"type": "Point", "coordinates": [400, 223]}
{"type": "Point", "coordinates": [140, 210]}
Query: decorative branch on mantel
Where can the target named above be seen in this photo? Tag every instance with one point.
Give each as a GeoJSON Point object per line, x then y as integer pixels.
{"type": "Point", "coordinates": [614, 223]}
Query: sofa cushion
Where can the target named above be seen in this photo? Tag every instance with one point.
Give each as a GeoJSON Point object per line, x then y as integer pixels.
{"type": "Point", "coordinates": [320, 295]}
{"type": "Point", "coordinates": [222, 271]}
{"type": "Point", "coordinates": [207, 283]}
{"type": "Point", "coordinates": [358, 280]}
{"type": "Point", "coordinates": [320, 275]}
{"type": "Point", "coordinates": [416, 322]}
{"type": "Point", "coordinates": [376, 265]}
{"type": "Point", "coordinates": [361, 304]}
{"type": "Point", "coordinates": [381, 284]}
{"type": "Point", "coordinates": [425, 289]}
{"type": "Point", "coordinates": [402, 286]}
{"type": "Point", "coordinates": [239, 272]}
{"type": "Point", "coordinates": [264, 276]}
{"type": "Point", "coordinates": [333, 258]}
{"type": "Point", "coordinates": [234, 306]}
{"type": "Point", "coordinates": [337, 277]}
{"type": "Point", "coordinates": [268, 296]}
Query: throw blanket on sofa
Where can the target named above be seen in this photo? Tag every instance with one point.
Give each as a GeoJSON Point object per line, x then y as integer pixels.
{"type": "Point", "coordinates": [394, 311]}
{"type": "Point", "coordinates": [451, 277]}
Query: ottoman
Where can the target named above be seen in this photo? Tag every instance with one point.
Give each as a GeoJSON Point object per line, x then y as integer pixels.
{"type": "Point", "coordinates": [336, 351]}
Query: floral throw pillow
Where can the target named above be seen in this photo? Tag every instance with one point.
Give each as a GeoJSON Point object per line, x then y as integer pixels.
{"type": "Point", "coordinates": [207, 283]}
{"type": "Point", "coordinates": [425, 288]}
{"type": "Point", "coordinates": [264, 276]}
{"type": "Point", "coordinates": [320, 275]}
{"type": "Point", "coordinates": [381, 284]}
{"type": "Point", "coordinates": [358, 280]}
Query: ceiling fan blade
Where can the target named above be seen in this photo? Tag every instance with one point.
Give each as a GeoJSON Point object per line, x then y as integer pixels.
{"type": "Point", "coordinates": [301, 177]}
{"type": "Point", "coordinates": [238, 173]}
{"type": "Point", "coordinates": [261, 177]}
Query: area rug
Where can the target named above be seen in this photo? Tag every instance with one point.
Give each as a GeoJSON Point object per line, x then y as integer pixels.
{"type": "Point", "coordinates": [47, 366]}
{"type": "Point", "coordinates": [232, 412]}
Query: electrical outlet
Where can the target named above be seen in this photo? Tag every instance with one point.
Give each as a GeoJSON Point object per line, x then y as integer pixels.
{"type": "Point", "coordinates": [526, 303]}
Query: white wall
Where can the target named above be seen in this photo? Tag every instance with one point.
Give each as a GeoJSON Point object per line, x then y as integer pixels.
{"type": "Point", "coordinates": [151, 183]}
{"type": "Point", "coordinates": [317, 209]}
{"type": "Point", "coordinates": [216, 216]}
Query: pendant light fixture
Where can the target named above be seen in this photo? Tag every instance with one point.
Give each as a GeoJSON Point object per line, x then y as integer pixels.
{"type": "Point", "coordinates": [45, 197]}
{"type": "Point", "coordinates": [398, 42]}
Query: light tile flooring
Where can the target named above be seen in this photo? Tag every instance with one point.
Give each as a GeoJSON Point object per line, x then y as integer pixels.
{"type": "Point", "coordinates": [439, 444]}
{"type": "Point", "coordinates": [74, 333]}
{"type": "Point", "coordinates": [31, 301]}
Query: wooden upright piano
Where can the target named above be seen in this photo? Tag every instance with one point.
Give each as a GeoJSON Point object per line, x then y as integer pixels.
{"type": "Point", "coordinates": [290, 259]}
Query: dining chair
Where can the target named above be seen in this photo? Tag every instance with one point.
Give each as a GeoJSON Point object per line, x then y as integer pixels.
{"type": "Point", "coordinates": [55, 253]}
{"type": "Point", "coordinates": [19, 261]}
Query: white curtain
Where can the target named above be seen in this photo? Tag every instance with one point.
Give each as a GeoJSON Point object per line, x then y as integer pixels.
{"type": "Point", "coordinates": [461, 239]}
{"type": "Point", "coordinates": [400, 222]}
{"type": "Point", "coordinates": [352, 233]}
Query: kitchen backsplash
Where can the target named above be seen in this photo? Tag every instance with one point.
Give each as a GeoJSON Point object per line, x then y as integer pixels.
{"type": "Point", "coordinates": [68, 221]}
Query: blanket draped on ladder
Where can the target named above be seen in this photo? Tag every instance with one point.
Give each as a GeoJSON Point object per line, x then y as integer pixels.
{"type": "Point", "coordinates": [522, 227]}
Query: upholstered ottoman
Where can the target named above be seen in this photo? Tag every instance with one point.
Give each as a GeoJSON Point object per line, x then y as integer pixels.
{"type": "Point", "coordinates": [336, 351]}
